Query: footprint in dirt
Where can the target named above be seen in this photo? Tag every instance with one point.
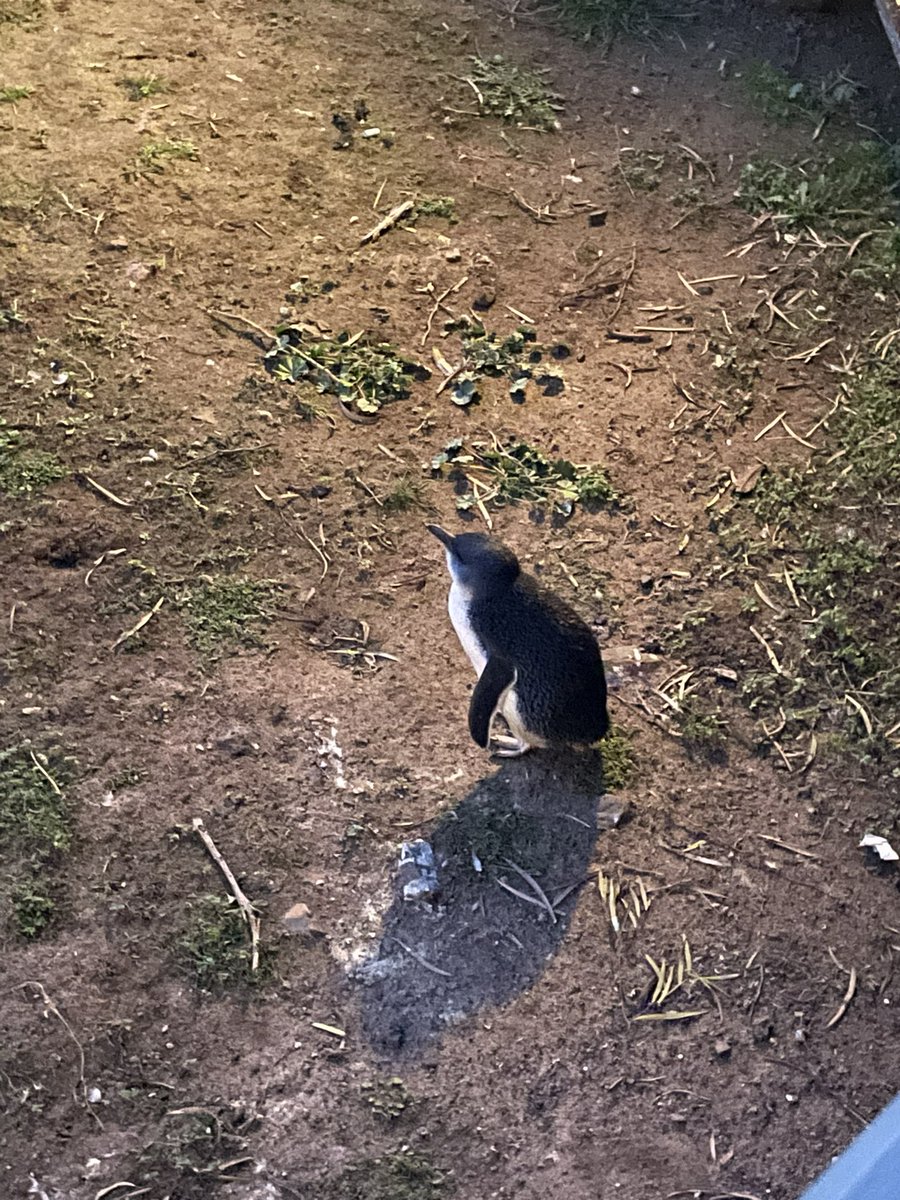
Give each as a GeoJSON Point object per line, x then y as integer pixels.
{"type": "Point", "coordinates": [510, 859]}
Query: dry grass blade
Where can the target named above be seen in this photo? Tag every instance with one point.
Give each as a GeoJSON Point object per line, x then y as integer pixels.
{"type": "Point", "coordinates": [139, 624]}
{"type": "Point", "coordinates": [538, 890]}
{"type": "Point", "coordinates": [845, 1003]}
{"type": "Point", "coordinates": [774, 841]}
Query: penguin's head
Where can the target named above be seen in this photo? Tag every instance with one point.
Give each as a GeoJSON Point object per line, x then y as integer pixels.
{"type": "Point", "coordinates": [477, 561]}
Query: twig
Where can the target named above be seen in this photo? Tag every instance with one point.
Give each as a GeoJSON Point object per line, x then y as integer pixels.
{"type": "Point", "coordinates": [773, 658]}
{"type": "Point", "coordinates": [98, 487]}
{"type": "Point", "coordinates": [397, 213]}
{"type": "Point", "coordinates": [437, 304]}
{"type": "Point", "coordinates": [774, 841]}
{"type": "Point", "coordinates": [51, 1007]}
{"type": "Point", "coordinates": [192, 462]}
{"type": "Point", "coordinates": [845, 1003]}
{"type": "Point", "coordinates": [45, 774]}
{"type": "Point", "coordinates": [626, 280]}
{"type": "Point", "coordinates": [248, 912]}
{"type": "Point", "coordinates": [229, 316]}
{"type": "Point", "coordinates": [532, 882]}
{"type": "Point", "coordinates": [423, 962]}
{"type": "Point", "coordinates": [144, 620]}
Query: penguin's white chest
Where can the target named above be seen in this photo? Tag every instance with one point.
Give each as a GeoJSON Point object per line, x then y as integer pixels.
{"type": "Point", "coordinates": [458, 607]}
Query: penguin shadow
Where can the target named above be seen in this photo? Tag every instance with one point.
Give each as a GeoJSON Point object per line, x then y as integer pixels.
{"type": "Point", "coordinates": [511, 858]}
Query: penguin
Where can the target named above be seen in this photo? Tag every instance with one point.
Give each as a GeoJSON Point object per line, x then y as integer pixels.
{"type": "Point", "coordinates": [537, 662]}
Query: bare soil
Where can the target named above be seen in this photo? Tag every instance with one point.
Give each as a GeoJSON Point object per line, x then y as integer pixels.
{"type": "Point", "coordinates": [525, 1071]}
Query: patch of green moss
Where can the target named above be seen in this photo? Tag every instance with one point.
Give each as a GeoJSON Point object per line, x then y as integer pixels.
{"type": "Point", "coordinates": [214, 946]}
{"type": "Point", "coordinates": [23, 470]}
{"type": "Point", "coordinates": [226, 610]}
{"type": "Point", "coordinates": [619, 759]}
{"type": "Point", "coordinates": [402, 1175]}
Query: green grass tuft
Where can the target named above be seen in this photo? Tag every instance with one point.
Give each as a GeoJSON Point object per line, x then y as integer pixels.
{"type": "Point", "coordinates": [155, 156]}
{"type": "Point", "coordinates": [11, 95]}
{"type": "Point", "coordinates": [605, 20]}
{"type": "Point", "coordinates": [32, 907]}
{"type": "Point", "coordinates": [843, 192]}
{"type": "Point", "coordinates": [35, 831]}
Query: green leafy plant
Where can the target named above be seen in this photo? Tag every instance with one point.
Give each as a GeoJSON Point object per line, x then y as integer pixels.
{"type": "Point", "coordinates": [504, 473]}
{"type": "Point", "coordinates": [488, 355]}
{"type": "Point", "coordinates": [141, 87]}
{"type": "Point", "coordinates": [363, 375]}
{"type": "Point", "coordinates": [515, 94]}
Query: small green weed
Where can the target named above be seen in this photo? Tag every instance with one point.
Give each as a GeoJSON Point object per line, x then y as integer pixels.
{"type": "Point", "coordinates": [214, 946]}
{"type": "Point", "coordinates": [402, 1175]}
{"type": "Point", "coordinates": [11, 95]}
{"type": "Point", "coordinates": [141, 87]}
{"type": "Point", "coordinates": [843, 192]}
{"type": "Point", "coordinates": [641, 169]}
{"type": "Point", "coordinates": [23, 471]}
{"type": "Point", "coordinates": [35, 831]}
{"type": "Point", "coordinates": [437, 206]}
{"type": "Point", "coordinates": [605, 20]}
{"type": "Point", "coordinates": [619, 759]}
{"type": "Point", "coordinates": [515, 94]}
{"type": "Point", "coordinates": [33, 908]}
{"type": "Point", "coordinates": [703, 729]}
{"type": "Point", "coordinates": [224, 610]}
{"type": "Point", "coordinates": [406, 493]}
{"type": "Point", "coordinates": [782, 98]}
{"type": "Point", "coordinates": [365, 375]}
{"type": "Point", "coordinates": [388, 1098]}
{"type": "Point", "coordinates": [34, 815]}
{"type": "Point", "coordinates": [10, 318]}
{"type": "Point", "coordinates": [155, 156]}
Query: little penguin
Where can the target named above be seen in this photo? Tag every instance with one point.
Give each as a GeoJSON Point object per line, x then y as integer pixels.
{"type": "Point", "coordinates": [537, 662]}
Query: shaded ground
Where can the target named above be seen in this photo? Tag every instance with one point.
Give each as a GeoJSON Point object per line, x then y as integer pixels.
{"type": "Point", "coordinates": [158, 468]}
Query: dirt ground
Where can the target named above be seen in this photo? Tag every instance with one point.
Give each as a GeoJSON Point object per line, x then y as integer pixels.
{"type": "Point", "coordinates": [519, 1067]}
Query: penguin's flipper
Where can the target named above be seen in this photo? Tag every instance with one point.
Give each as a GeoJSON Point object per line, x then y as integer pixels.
{"type": "Point", "coordinates": [497, 676]}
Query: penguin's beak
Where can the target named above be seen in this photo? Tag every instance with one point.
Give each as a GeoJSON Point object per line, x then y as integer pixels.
{"type": "Point", "coordinates": [441, 534]}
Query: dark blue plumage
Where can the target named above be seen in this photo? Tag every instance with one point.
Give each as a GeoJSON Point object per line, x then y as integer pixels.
{"type": "Point", "coordinates": [537, 660]}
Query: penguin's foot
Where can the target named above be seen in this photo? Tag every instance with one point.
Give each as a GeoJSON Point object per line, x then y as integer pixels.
{"type": "Point", "coordinates": [510, 747]}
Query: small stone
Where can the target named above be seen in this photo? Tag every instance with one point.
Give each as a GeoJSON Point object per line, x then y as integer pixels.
{"type": "Point", "coordinates": [636, 91]}
{"type": "Point", "coordinates": [116, 244]}
{"type": "Point", "coordinates": [296, 919]}
{"type": "Point", "coordinates": [453, 255]}
{"type": "Point", "coordinates": [370, 133]}
{"type": "Point", "coordinates": [597, 218]}
{"type": "Point", "coordinates": [484, 301]}
{"type": "Point", "coordinates": [723, 1047]}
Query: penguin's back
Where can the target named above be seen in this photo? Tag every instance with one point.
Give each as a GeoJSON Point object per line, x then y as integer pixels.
{"type": "Point", "coordinates": [560, 683]}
